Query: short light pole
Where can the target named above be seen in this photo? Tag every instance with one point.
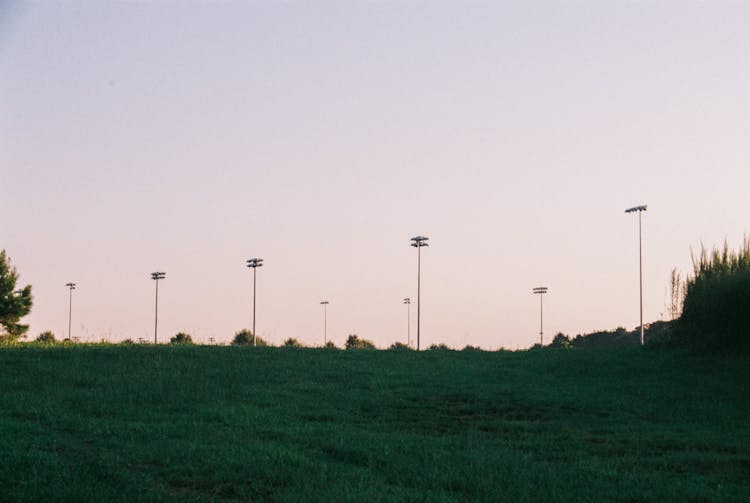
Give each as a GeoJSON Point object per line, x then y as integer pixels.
{"type": "Point", "coordinates": [418, 242]}
{"type": "Point", "coordinates": [71, 287]}
{"type": "Point", "coordinates": [639, 210]}
{"type": "Point", "coordinates": [324, 303]}
{"type": "Point", "coordinates": [156, 276]}
{"type": "Point", "coordinates": [541, 290]}
{"type": "Point", "coordinates": [407, 301]}
{"type": "Point", "coordinates": [253, 264]}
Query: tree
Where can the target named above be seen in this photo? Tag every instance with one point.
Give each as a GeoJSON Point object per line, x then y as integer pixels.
{"type": "Point", "coordinates": [181, 338]}
{"type": "Point", "coordinates": [439, 347]}
{"type": "Point", "coordinates": [399, 346]}
{"type": "Point", "coordinates": [330, 345]}
{"type": "Point", "coordinates": [46, 337]}
{"type": "Point", "coordinates": [561, 341]}
{"type": "Point", "coordinates": [14, 304]}
{"type": "Point", "coordinates": [292, 343]}
{"type": "Point", "coordinates": [354, 342]}
{"type": "Point", "coordinates": [245, 337]}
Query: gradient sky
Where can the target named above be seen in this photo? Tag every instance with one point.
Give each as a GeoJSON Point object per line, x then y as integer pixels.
{"type": "Point", "coordinates": [321, 136]}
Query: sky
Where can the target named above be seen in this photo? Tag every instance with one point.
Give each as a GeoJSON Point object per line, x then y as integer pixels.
{"type": "Point", "coordinates": [188, 137]}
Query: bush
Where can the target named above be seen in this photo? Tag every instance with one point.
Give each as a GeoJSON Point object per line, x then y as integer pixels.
{"type": "Point", "coordinates": [181, 338]}
{"type": "Point", "coordinates": [330, 345]}
{"type": "Point", "coordinates": [561, 341]}
{"type": "Point", "coordinates": [399, 346]}
{"type": "Point", "coordinates": [354, 342]}
{"type": "Point", "coordinates": [245, 338]}
{"type": "Point", "coordinates": [46, 338]}
{"type": "Point", "coordinates": [439, 347]}
{"type": "Point", "coordinates": [469, 347]}
{"type": "Point", "coordinates": [715, 311]}
{"type": "Point", "coordinates": [292, 343]}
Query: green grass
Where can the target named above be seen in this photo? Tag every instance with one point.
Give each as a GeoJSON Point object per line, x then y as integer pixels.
{"type": "Point", "coordinates": [108, 423]}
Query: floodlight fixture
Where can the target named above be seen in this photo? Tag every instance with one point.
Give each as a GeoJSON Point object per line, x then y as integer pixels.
{"type": "Point", "coordinates": [541, 290]}
{"type": "Point", "coordinates": [253, 264]}
{"type": "Point", "coordinates": [640, 209]}
{"type": "Point", "coordinates": [71, 287]}
{"type": "Point", "coordinates": [156, 276]}
{"type": "Point", "coordinates": [418, 242]}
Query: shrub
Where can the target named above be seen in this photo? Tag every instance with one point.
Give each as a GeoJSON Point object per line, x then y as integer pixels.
{"type": "Point", "coordinates": [330, 345]}
{"type": "Point", "coordinates": [715, 311]}
{"type": "Point", "coordinates": [46, 338]}
{"type": "Point", "coordinates": [561, 341]}
{"type": "Point", "coordinates": [245, 338]}
{"type": "Point", "coordinates": [354, 342]}
{"type": "Point", "coordinates": [439, 347]}
{"type": "Point", "coordinates": [399, 346]}
{"type": "Point", "coordinates": [292, 343]}
{"type": "Point", "coordinates": [181, 338]}
{"type": "Point", "coordinates": [469, 347]}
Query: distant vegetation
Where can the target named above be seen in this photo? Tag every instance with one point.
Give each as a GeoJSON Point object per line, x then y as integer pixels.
{"type": "Point", "coordinates": [292, 343]}
{"type": "Point", "coordinates": [46, 338]}
{"type": "Point", "coordinates": [245, 337]}
{"type": "Point", "coordinates": [354, 342]}
{"type": "Point", "coordinates": [181, 338]}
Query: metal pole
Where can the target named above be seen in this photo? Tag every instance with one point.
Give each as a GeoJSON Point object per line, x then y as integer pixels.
{"type": "Point", "coordinates": [640, 270]}
{"type": "Point", "coordinates": [408, 324]}
{"type": "Point", "coordinates": [541, 321]}
{"type": "Point", "coordinates": [325, 324]}
{"type": "Point", "coordinates": [70, 312]}
{"type": "Point", "coordinates": [156, 310]}
{"type": "Point", "coordinates": [419, 298]}
{"type": "Point", "coordinates": [254, 281]}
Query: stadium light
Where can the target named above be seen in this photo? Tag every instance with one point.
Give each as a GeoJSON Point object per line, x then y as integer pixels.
{"type": "Point", "coordinates": [639, 210]}
{"type": "Point", "coordinates": [253, 264]}
{"type": "Point", "coordinates": [418, 242]}
{"type": "Point", "coordinates": [541, 290]}
{"type": "Point", "coordinates": [156, 276]}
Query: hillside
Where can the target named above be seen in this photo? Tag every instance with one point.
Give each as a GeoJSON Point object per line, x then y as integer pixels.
{"type": "Point", "coordinates": [89, 423]}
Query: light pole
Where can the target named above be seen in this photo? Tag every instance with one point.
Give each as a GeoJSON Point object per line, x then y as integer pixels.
{"type": "Point", "coordinates": [541, 290]}
{"type": "Point", "coordinates": [156, 276]}
{"type": "Point", "coordinates": [254, 263]}
{"type": "Point", "coordinates": [407, 301]}
{"type": "Point", "coordinates": [71, 286]}
{"type": "Point", "coordinates": [324, 303]}
{"type": "Point", "coordinates": [639, 210]}
{"type": "Point", "coordinates": [418, 242]}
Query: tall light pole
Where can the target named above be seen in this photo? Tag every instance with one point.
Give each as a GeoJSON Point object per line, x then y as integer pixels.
{"type": "Point", "coordinates": [156, 276]}
{"type": "Point", "coordinates": [639, 210]}
{"type": "Point", "coordinates": [253, 264]}
{"type": "Point", "coordinates": [71, 286]}
{"type": "Point", "coordinates": [541, 290]}
{"type": "Point", "coordinates": [407, 301]}
{"type": "Point", "coordinates": [324, 303]}
{"type": "Point", "coordinates": [418, 242]}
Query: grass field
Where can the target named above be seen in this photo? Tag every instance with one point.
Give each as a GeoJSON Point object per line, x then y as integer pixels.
{"type": "Point", "coordinates": [109, 423]}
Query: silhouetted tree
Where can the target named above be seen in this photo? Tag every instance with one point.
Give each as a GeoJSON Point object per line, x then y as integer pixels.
{"type": "Point", "coordinates": [14, 304]}
{"type": "Point", "coordinates": [292, 343]}
{"type": "Point", "coordinates": [354, 342]}
{"type": "Point", "coordinates": [330, 345]}
{"type": "Point", "coordinates": [46, 338]}
{"type": "Point", "coordinates": [561, 341]}
{"type": "Point", "coordinates": [439, 347]}
{"type": "Point", "coordinates": [181, 338]}
{"type": "Point", "coordinates": [245, 337]}
{"type": "Point", "coordinates": [399, 346]}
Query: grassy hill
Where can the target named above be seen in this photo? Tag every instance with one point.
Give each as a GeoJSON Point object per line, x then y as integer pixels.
{"type": "Point", "coordinates": [95, 423]}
